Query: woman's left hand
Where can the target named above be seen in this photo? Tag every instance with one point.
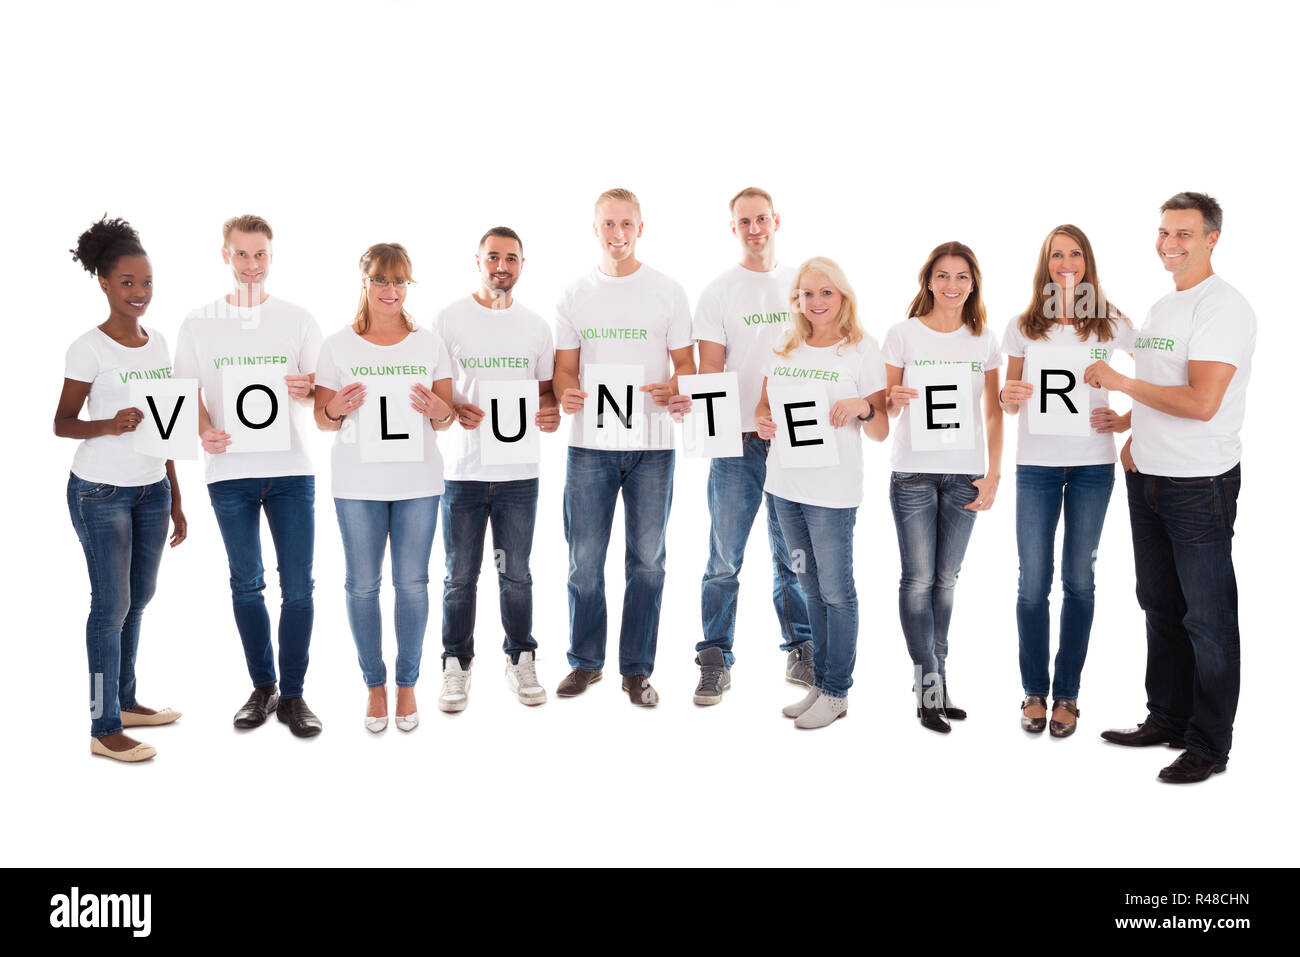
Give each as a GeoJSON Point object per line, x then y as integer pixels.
{"type": "Point", "coordinates": [986, 489]}
{"type": "Point", "coordinates": [424, 401]}
{"type": "Point", "coordinates": [179, 525]}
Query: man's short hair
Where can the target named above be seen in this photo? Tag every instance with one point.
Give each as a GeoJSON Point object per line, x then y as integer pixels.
{"type": "Point", "coordinates": [502, 232]}
{"type": "Point", "coordinates": [1211, 211]}
{"type": "Point", "coordinates": [750, 192]}
{"type": "Point", "coordinates": [248, 223]}
{"type": "Point", "coordinates": [622, 195]}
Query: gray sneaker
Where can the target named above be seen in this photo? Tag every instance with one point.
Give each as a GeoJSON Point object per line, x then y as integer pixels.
{"type": "Point", "coordinates": [799, 665]}
{"type": "Point", "coordinates": [715, 676]}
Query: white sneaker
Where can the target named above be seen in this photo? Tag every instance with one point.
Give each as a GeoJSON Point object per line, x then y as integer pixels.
{"type": "Point", "coordinates": [802, 705]}
{"type": "Point", "coordinates": [823, 712]}
{"type": "Point", "coordinates": [455, 686]}
{"type": "Point", "coordinates": [522, 679]}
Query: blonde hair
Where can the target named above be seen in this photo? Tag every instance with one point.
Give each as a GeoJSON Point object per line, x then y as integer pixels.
{"type": "Point", "coordinates": [750, 192]}
{"type": "Point", "coordinates": [248, 223]}
{"type": "Point", "coordinates": [846, 323]}
{"type": "Point", "coordinates": [386, 261]}
{"type": "Point", "coordinates": [621, 195]}
{"type": "Point", "coordinates": [972, 311]}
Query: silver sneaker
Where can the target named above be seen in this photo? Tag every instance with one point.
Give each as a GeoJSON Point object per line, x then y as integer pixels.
{"type": "Point", "coordinates": [823, 712]}
{"type": "Point", "coordinates": [715, 676]}
{"type": "Point", "coordinates": [799, 665]}
{"type": "Point", "coordinates": [522, 678]}
{"type": "Point", "coordinates": [455, 686]}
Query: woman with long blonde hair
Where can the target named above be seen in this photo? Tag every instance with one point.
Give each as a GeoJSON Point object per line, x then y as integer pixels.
{"type": "Point", "coordinates": [817, 506]}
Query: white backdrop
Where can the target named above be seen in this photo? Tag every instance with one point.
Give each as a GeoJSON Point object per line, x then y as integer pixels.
{"type": "Point", "coordinates": [881, 131]}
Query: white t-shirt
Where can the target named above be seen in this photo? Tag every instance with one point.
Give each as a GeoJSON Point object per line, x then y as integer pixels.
{"type": "Point", "coordinates": [1067, 450]}
{"type": "Point", "coordinates": [277, 334]}
{"type": "Point", "coordinates": [346, 358]}
{"type": "Point", "coordinates": [848, 372]}
{"type": "Point", "coordinates": [633, 320]}
{"type": "Point", "coordinates": [913, 341]}
{"type": "Point", "coordinates": [492, 344]}
{"type": "Point", "coordinates": [110, 368]}
{"type": "Point", "coordinates": [749, 313]}
{"type": "Point", "coordinates": [1211, 322]}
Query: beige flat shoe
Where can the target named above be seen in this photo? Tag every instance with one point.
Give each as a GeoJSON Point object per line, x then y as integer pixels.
{"type": "Point", "coordinates": [132, 720]}
{"type": "Point", "coordinates": [141, 752]}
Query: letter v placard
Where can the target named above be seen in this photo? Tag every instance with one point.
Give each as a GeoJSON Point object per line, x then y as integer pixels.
{"type": "Point", "coordinates": [170, 427]}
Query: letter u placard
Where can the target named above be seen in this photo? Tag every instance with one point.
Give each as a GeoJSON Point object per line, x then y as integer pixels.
{"type": "Point", "coordinates": [942, 416]}
{"type": "Point", "coordinates": [508, 434]}
{"type": "Point", "coordinates": [390, 430]}
{"type": "Point", "coordinates": [1062, 401]}
{"type": "Point", "coordinates": [255, 408]}
{"type": "Point", "coordinates": [804, 437]}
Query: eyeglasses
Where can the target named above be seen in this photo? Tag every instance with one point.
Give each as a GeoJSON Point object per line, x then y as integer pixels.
{"type": "Point", "coordinates": [385, 283]}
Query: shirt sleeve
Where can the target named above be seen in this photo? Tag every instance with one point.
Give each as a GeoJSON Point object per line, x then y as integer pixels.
{"type": "Point", "coordinates": [894, 351]}
{"type": "Point", "coordinates": [546, 354]}
{"type": "Point", "coordinates": [442, 358]}
{"type": "Point", "coordinates": [679, 322]}
{"type": "Point", "coordinates": [81, 363]}
{"type": "Point", "coordinates": [708, 324]}
{"type": "Point", "coordinates": [1223, 330]}
{"type": "Point", "coordinates": [871, 370]}
{"type": "Point", "coordinates": [993, 359]}
{"type": "Point", "coordinates": [327, 370]}
{"type": "Point", "coordinates": [310, 345]}
{"type": "Point", "coordinates": [566, 334]}
{"type": "Point", "coordinates": [186, 365]}
{"type": "Point", "coordinates": [1013, 343]}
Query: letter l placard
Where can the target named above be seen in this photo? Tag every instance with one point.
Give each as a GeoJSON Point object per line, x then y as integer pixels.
{"type": "Point", "coordinates": [390, 430]}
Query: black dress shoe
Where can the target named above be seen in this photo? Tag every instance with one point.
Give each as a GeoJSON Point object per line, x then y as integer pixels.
{"type": "Point", "coordinates": [295, 713]}
{"type": "Point", "coordinates": [1033, 725]}
{"type": "Point", "coordinates": [952, 712]}
{"type": "Point", "coordinates": [1143, 736]}
{"type": "Point", "coordinates": [932, 719]}
{"type": "Point", "coordinates": [1189, 767]}
{"type": "Point", "coordinates": [259, 704]}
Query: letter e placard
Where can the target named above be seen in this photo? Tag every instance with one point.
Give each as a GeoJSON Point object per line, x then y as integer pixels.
{"type": "Point", "coordinates": [942, 416]}
{"type": "Point", "coordinates": [804, 437]}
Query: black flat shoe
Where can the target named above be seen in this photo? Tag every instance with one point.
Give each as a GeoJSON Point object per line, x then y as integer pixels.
{"type": "Point", "coordinates": [1033, 725]}
{"type": "Point", "coordinates": [1063, 729]}
{"type": "Point", "coordinates": [259, 704]}
{"type": "Point", "coordinates": [1143, 736]}
{"type": "Point", "coordinates": [1189, 768]}
{"type": "Point", "coordinates": [300, 719]}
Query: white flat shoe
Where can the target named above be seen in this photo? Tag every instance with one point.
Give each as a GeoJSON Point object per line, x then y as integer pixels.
{"type": "Point", "coordinates": [823, 712]}
{"type": "Point", "coordinates": [408, 722]}
{"type": "Point", "coordinates": [375, 725]}
{"type": "Point", "coordinates": [132, 720]}
{"type": "Point", "coordinates": [141, 752]}
{"type": "Point", "coordinates": [802, 705]}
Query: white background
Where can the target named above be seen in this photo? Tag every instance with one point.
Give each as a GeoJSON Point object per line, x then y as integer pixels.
{"type": "Point", "coordinates": [881, 131]}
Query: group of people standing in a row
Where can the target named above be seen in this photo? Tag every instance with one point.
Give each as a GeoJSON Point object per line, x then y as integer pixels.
{"type": "Point", "coordinates": [766, 323]}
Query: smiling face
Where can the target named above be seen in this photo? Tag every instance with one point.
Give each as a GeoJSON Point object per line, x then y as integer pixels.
{"type": "Point", "coordinates": [1183, 245]}
{"type": "Point", "coordinates": [499, 264]}
{"type": "Point", "coordinates": [618, 225]}
{"type": "Point", "coordinates": [249, 256]}
{"type": "Point", "coordinates": [951, 282]}
{"type": "Point", "coordinates": [129, 286]}
{"type": "Point", "coordinates": [385, 301]}
{"type": "Point", "coordinates": [820, 300]}
{"type": "Point", "coordinates": [1066, 263]}
{"type": "Point", "coordinates": [754, 224]}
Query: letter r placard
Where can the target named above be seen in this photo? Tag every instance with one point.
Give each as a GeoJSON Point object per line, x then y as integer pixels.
{"type": "Point", "coordinates": [942, 416]}
{"type": "Point", "coordinates": [255, 408]}
{"type": "Point", "coordinates": [802, 413]}
{"type": "Point", "coordinates": [508, 434]}
{"type": "Point", "coordinates": [1062, 401]}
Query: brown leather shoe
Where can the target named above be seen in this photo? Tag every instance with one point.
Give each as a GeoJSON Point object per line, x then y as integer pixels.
{"type": "Point", "coordinates": [1063, 729]}
{"type": "Point", "coordinates": [639, 691]}
{"type": "Point", "coordinates": [1033, 725]}
{"type": "Point", "coordinates": [575, 683]}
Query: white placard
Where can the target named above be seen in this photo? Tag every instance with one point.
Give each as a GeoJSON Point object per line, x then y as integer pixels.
{"type": "Point", "coordinates": [389, 429]}
{"type": "Point", "coordinates": [712, 428]}
{"type": "Point", "coordinates": [613, 415]}
{"type": "Point", "coordinates": [508, 434]}
{"type": "Point", "coordinates": [1062, 401]}
{"type": "Point", "coordinates": [804, 437]}
{"type": "Point", "coordinates": [941, 417]}
{"type": "Point", "coordinates": [170, 429]}
{"type": "Point", "coordinates": [256, 408]}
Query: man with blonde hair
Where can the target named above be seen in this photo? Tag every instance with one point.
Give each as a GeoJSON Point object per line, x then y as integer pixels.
{"type": "Point", "coordinates": [621, 312]}
{"type": "Point", "coordinates": [248, 329]}
{"type": "Point", "coordinates": [740, 318]}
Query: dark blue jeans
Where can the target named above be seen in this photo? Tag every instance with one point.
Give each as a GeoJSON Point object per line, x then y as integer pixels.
{"type": "Point", "coordinates": [289, 502]}
{"type": "Point", "coordinates": [934, 528]}
{"type": "Point", "coordinates": [123, 531]}
{"type": "Point", "coordinates": [1041, 491]}
{"type": "Point", "coordinates": [821, 545]}
{"type": "Point", "coordinates": [735, 490]}
{"type": "Point", "coordinates": [467, 509]}
{"type": "Point", "coordinates": [591, 489]}
{"type": "Point", "coordinates": [1182, 553]}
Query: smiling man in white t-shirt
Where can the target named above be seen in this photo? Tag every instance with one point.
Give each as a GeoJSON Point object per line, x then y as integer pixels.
{"type": "Point", "coordinates": [249, 333]}
{"type": "Point", "coordinates": [620, 313]}
{"type": "Point", "coordinates": [1183, 470]}
{"type": "Point", "coordinates": [740, 318]}
{"type": "Point", "coordinates": [491, 336]}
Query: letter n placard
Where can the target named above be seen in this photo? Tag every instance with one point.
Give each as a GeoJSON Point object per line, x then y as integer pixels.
{"type": "Point", "coordinates": [804, 437]}
{"type": "Point", "coordinates": [389, 429]}
{"type": "Point", "coordinates": [508, 434]}
{"type": "Point", "coordinates": [613, 415]}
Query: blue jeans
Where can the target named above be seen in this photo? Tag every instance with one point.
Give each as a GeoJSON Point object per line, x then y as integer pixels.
{"type": "Point", "coordinates": [933, 527]}
{"type": "Point", "coordinates": [735, 490]}
{"type": "Point", "coordinates": [289, 501]}
{"type": "Point", "coordinates": [367, 527]}
{"type": "Point", "coordinates": [123, 531]}
{"type": "Point", "coordinates": [1182, 553]}
{"type": "Point", "coordinates": [591, 488]}
{"type": "Point", "coordinates": [821, 546]}
{"type": "Point", "coordinates": [467, 508]}
{"type": "Point", "coordinates": [1040, 492]}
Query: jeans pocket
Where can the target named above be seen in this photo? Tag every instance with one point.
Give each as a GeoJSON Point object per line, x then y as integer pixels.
{"type": "Point", "coordinates": [903, 477]}
{"type": "Point", "coordinates": [96, 492]}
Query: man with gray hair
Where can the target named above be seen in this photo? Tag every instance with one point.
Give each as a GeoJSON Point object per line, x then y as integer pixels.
{"type": "Point", "coordinates": [1183, 471]}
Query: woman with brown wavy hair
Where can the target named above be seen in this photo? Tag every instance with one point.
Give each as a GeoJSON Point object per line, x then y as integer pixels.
{"type": "Point", "coordinates": [1056, 473]}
